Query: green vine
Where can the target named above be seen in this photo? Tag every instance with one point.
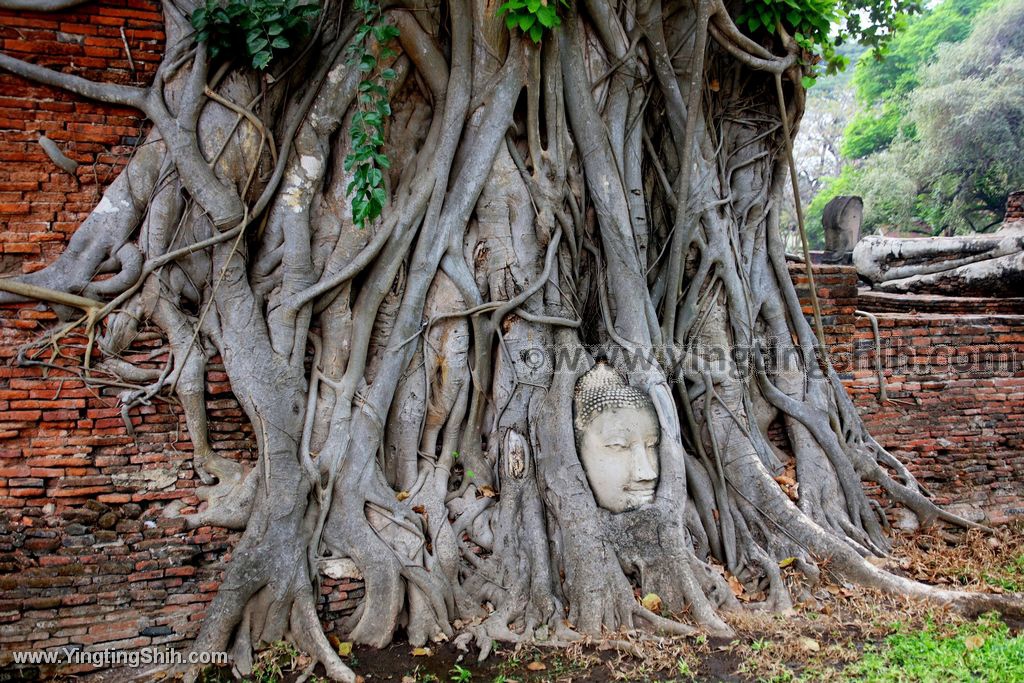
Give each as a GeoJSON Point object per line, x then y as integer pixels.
{"type": "Point", "coordinates": [259, 28]}
{"type": "Point", "coordinates": [366, 161]}
{"type": "Point", "coordinates": [532, 17]}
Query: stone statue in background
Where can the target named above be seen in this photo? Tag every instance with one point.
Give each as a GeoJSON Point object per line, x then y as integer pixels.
{"type": "Point", "coordinates": [617, 436]}
{"type": "Point", "coordinates": [973, 265]}
{"type": "Point", "coordinates": [841, 221]}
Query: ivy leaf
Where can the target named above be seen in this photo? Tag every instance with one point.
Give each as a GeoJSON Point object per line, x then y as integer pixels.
{"type": "Point", "coordinates": [526, 21]}
{"type": "Point", "coordinates": [256, 42]}
{"type": "Point", "coordinates": [808, 81]}
{"type": "Point", "coordinates": [280, 43]}
{"type": "Point", "coordinates": [536, 32]}
{"type": "Point", "coordinates": [547, 16]}
{"type": "Point", "coordinates": [260, 60]}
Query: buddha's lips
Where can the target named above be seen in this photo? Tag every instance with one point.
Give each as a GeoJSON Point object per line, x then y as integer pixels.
{"type": "Point", "coordinates": [641, 495]}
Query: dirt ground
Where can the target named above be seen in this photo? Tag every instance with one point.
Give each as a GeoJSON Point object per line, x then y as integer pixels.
{"type": "Point", "coordinates": [816, 642]}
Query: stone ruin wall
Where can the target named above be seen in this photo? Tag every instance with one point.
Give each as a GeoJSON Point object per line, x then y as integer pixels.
{"type": "Point", "coordinates": [85, 555]}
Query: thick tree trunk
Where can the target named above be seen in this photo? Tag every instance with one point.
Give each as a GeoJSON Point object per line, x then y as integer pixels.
{"type": "Point", "coordinates": [411, 383]}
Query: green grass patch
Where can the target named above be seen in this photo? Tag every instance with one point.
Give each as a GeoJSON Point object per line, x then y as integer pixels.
{"type": "Point", "coordinates": [977, 652]}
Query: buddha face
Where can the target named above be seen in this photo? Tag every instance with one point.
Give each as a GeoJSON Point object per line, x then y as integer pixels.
{"type": "Point", "coordinates": [619, 450]}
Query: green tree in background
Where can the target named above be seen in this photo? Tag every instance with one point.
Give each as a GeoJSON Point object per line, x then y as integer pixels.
{"type": "Point", "coordinates": [942, 149]}
{"type": "Point", "coordinates": [882, 85]}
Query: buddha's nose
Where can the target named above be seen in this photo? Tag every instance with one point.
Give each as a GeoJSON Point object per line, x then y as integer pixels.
{"type": "Point", "coordinates": [643, 470]}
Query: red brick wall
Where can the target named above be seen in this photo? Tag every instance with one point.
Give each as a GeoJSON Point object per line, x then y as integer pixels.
{"type": "Point", "coordinates": [1014, 207]}
{"type": "Point", "coordinates": [836, 287]}
{"type": "Point", "coordinates": [928, 304]}
{"type": "Point", "coordinates": [40, 205]}
{"type": "Point", "coordinates": [955, 409]}
{"type": "Point", "coordinates": [85, 555]}
{"type": "Point", "coordinates": [954, 374]}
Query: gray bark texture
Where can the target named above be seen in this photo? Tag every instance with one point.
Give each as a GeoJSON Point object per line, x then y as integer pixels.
{"type": "Point", "coordinates": [410, 383]}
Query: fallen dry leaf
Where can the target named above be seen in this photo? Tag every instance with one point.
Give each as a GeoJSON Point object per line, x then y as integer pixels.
{"type": "Point", "coordinates": [809, 644]}
{"type": "Point", "coordinates": [421, 652]}
{"type": "Point", "coordinates": [402, 495]}
{"type": "Point", "coordinates": [974, 642]}
{"type": "Point", "coordinates": [652, 602]}
{"type": "Point", "coordinates": [345, 648]}
{"type": "Point", "coordinates": [536, 666]}
{"type": "Point", "coordinates": [487, 492]}
{"type": "Point", "coordinates": [735, 585]}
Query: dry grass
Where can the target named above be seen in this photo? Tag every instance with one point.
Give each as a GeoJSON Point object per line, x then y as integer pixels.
{"type": "Point", "coordinates": [819, 640]}
{"type": "Point", "coordinates": [979, 562]}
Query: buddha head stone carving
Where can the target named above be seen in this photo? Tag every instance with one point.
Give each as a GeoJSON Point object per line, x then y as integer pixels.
{"type": "Point", "coordinates": [617, 439]}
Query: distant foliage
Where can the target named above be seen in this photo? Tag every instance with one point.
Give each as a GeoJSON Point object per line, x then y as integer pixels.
{"type": "Point", "coordinates": [960, 151]}
{"type": "Point", "coordinates": [260, 29]}
{"type": "Point", "coordinates": [883, 84]}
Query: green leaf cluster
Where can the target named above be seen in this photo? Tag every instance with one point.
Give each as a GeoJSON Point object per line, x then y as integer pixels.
{"type": "Point", "coordinates": [259, 28]}
{"type": "Point", "coordinates": [819, 27]}
{"type": "Point", "coordinates": [532, 17]}
{"type": "Point", "coordinates": [366, 160]}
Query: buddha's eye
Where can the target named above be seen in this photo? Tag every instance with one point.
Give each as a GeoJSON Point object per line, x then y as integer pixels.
{"type": "Point", "coordinates": [618, 445]}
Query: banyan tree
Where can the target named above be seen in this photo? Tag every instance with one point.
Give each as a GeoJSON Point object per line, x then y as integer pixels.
{"type": "Point", "coordinates": [502, 292]}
